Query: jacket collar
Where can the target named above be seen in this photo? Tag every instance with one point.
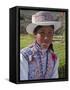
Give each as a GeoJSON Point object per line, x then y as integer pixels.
{"type": "Point", "coordinates": [38, 47]}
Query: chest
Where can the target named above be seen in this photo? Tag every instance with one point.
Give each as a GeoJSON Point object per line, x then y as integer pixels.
{"type": "Point", "coordinates": [40, 65]}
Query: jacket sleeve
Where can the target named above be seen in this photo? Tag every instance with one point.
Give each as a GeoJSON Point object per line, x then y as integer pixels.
{"type": "Point", "coordinates": [23, 68]}
{"type": "Point", "coordinates": [55, 70]}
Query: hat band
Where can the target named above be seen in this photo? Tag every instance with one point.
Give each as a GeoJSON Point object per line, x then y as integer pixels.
{"type": "Point", "coordinates": [41, 18]}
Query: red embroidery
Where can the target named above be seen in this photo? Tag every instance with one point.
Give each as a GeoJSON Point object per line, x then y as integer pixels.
{"type": "Point", "coordinates": [54, 57]}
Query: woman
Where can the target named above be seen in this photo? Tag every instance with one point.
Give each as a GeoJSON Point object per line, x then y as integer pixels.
{"type": "Point", "coordinates": [39, 61]}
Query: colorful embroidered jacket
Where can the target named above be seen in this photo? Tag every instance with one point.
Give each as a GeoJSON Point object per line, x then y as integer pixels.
{"type": "Point", "coordinates": [36, 63]}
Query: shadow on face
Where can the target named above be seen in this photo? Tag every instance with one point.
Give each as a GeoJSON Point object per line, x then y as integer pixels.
{"type": "Point", "coordinates": [44, 35]}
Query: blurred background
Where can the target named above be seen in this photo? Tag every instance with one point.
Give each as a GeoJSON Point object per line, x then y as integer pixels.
{"type": "Point", "coordinates": [58, 39]}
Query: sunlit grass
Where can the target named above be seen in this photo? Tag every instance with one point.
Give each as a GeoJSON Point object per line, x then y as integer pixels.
{"type": "Point", "coordinates": [60, 50]}
{"type": "Point", "coordinates": [25, 40]}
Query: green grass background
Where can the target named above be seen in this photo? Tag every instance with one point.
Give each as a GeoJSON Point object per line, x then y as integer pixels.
{"type": "Point", "coordinates": [59, 48]}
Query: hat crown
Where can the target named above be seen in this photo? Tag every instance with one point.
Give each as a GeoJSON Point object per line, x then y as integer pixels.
{"type": "Point", "coordinates": [43, 16]}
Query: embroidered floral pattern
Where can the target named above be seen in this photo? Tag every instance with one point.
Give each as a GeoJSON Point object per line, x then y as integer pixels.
{"type": "Point", "coordinates": [38, 68]}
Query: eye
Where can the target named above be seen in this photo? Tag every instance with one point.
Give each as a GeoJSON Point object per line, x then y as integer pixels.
{"type": "Point", "coordinates": [50, 32]}
{"type": "Point", "coordinates": [42, 33]}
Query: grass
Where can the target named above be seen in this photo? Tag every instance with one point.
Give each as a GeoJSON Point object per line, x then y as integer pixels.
{"type": "Point", "coordinates": [25, 40]}
{"type": "Point", "coordinates": [59, 48]}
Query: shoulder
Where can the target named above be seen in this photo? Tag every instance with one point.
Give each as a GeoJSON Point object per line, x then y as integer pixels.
{"type": "Point", "coordinates": [55, 59]}
{"type": "Point", "coordinates": [27, 50]}
{"type": "Point", "coordinates": [54, 55]}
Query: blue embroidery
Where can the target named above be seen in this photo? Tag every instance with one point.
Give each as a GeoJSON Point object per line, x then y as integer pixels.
{"type": "Point", "coordinates": [36, 60]}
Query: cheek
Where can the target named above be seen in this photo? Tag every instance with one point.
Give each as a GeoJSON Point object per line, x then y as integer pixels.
{"type": "Point", "coordinates": [48, 40]}
{"type": "Point", "coordinates": [39, 38]}
{"type": "Point", "coordinates": [50, 37]}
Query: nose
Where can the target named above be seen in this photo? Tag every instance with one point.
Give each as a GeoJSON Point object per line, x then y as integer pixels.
{"type": "Point", "coordinates": [45, 38]}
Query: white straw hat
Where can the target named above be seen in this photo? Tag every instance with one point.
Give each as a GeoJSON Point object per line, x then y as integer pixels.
{"type": "Point", "coordinates": [43, 18]}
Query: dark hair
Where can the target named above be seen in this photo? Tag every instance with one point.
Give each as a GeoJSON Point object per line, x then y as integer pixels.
{"type": "Point", "coordinates": [51, 47]}
{"type": "Point", "coordinates": [38, 27]}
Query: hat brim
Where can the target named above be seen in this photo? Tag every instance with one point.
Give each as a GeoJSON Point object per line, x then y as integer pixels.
{"type": "Point", "coordinates": [30, 28]}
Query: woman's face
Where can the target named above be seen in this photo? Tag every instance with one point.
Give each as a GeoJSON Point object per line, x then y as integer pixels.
{"type": "Point", "coordinates": [44, 36]}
